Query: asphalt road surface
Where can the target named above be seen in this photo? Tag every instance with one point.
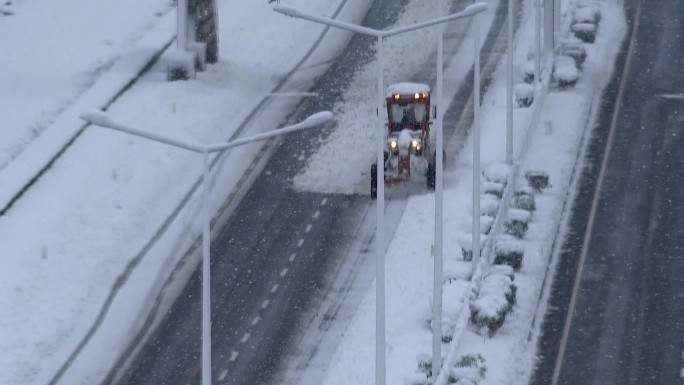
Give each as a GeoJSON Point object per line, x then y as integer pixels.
{"type": "Point", "coordinates": [627, 322]}
{"type": "Point", "coordinates": [272, 256]}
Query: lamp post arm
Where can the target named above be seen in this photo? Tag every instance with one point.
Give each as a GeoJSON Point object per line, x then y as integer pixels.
{"type": "Point", "coordinates": [311, 121]}
{"type": "Point", "coordinates": [292, 12]}
{"type": "Point", "coordinates": [467, 12]}
{"type": "Point", "coordinates": [100, 118]}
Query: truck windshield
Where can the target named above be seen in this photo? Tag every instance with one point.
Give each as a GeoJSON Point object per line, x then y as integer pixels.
{"type": "Point", "coordinates": [407, 114]}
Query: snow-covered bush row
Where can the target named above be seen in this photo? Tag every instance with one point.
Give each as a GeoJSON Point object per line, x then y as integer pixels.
{"type": "Point", "coordinates": [496, 297]}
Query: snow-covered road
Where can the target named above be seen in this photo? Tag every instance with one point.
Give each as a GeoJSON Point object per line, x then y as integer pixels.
{"type": "Point", "coordinates": [86, 223]}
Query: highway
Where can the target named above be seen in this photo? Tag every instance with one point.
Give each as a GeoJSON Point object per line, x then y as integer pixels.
{"type": "Point", "coordinates": [617, 306]}
{"type": "Point", "coordinates": [274, 254]}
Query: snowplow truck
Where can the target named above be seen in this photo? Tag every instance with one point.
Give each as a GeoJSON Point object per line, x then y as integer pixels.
{"type": "Point", "coordinates": [409, 155]}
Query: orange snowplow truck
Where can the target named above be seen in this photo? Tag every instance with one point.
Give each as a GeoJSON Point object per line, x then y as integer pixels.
{"type": "Point", "coordinates": [409, 154]}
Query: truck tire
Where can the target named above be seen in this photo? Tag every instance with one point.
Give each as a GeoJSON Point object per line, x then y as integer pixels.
{"type": "Point", "coordinates": [374, 181]}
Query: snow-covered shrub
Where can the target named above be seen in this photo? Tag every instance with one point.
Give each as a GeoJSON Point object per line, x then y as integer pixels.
{"type": "Point", "coordinates": [417, 379]}
{"type": "Point", "coordinates": [528, 71]}
{"type": "Point", "coordinates": [588, 8]}
{"type": "Point", "coordinates": [466, 242]}
{"type": "Point", "coordinates": [538, 180]}
{"type": "Point", "coordinates": [486, 223]}
{"type": "Point", "coordinates": [180, 65]}
{"type": "Point", "coordinates": [502, 269]}
{"type": "Point", "coordinates": [488, 314]}
{"type": "Point", "coordinates": [523, 198]}
{"type": "Point", "coordinates": [509, 252]}
{"type": "Point", "coordinates": [497, 172]}
{"type": "Point", "coordinates": [584, 31]}
{"type": "Point", "coordinates": [497, 283]}
{"type": "Point", "coordinates": [492, 188]}
{"type": "Point", "coordinates": [422, 376]}
{"type": "Point", "coordinates": [517, 222]}
{"type": "Point", "coordinates": [469, 370]}
{"type": "Point", "coordinates": [495, 300]}
{"type": "Point", "coordinates": [524, 94]}
{"type": "Point", "coordinates": [489, 204]}
{"type": "Point", "coordinates": [425, 364]}
{"type": "Point", "coordinates": [588, 14]}
{"type": "Point", "coordinates": [448, 329]}
{"type": "Point", "coordinates": [524, 202]}
{"type": "Point", "coordinates": [565, 72]}
{"type": "Point", "coordinates": [573, 48]}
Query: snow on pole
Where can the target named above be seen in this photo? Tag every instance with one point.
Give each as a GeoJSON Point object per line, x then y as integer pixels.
{"type": "Point", "coordinates": [439, 223]}
{"type": "Point", "coordinates": [476, 145]}
{"type": "Point", "coordinates": [206, 274]}
{"type": "Point", "coordinates": [182, 24]}
{"type": "Point", "coordinates": [537, 41]}
{"type": "Point", "coordinates": [509, 86]}
{"type": "Point", "coordinates": [380, 377]}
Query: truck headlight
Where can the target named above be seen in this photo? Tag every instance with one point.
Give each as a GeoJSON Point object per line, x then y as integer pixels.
{"type": "Point", "coordinates": [393, 145]}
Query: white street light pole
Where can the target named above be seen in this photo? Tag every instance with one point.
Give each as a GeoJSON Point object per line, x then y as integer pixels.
{"type": "Point", "coordinates": [537, 41]}
{"type": "Point", "coordinates": [102, 119]}
{"type": "Point", "coordinates": [206, 273]}
{"type": "Point", "coordinates": [182, 25]}
{"type": "Point", "coordinates": [476, 146]}
{"type": "Point", "coordinates": [438, 256]}
{"type": "Point", "coordinates": [509, 86]}
{"type": "Point", "coordinates": [380, 367]}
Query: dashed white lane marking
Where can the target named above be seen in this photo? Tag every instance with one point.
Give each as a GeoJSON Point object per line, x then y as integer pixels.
{"type": "Point", "coordinates": [681, 373]}
{"type": "Point", "coordinates": [256, 320]}
{"type": "Point", "coordinates": [292, 257]}
{"type": "Point", "coordinates": [223, 375]}
{"type": "Point", "coordinates": [233, 356]}
{"type": "Point", "coordinates": [265, 304]}
{"type": "Point", "coordinates": [245, 338]}
{"type": "Point", "coordinates": [283, 272]}
{"type": "Point", "coordinates": [274, 288]}
{"type": "Point", "coordinates": [324, 201]}
{"type": "Point", "coordinates": [316, 214]}
{"type": "Point", "coordinates": [300, 243]}
{"type": "Point", "coordinates": [308, 228]}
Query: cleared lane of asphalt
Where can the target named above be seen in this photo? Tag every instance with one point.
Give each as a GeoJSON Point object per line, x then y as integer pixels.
{"type": "Point", "coordinates": [628, 320]}
{"type": "Point", "coordinates": [253, 318]}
